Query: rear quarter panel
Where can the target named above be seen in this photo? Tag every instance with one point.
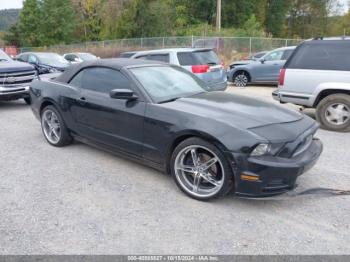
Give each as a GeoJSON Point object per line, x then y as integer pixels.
{"type": "Point", "coordinates": [59, 94]}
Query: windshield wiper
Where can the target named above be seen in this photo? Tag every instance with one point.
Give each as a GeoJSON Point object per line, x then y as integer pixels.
{"type": "Point", "coordinates": [169, 100]}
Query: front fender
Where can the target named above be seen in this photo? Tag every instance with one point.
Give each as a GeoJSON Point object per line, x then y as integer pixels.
{"type": "Point", "coordinates": [232, 71]}
{"type": "Point", "coordinates": [225, 137]}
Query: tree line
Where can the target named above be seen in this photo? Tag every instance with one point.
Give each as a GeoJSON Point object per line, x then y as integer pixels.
{"type": "Point", "coordinates": [50, 22]}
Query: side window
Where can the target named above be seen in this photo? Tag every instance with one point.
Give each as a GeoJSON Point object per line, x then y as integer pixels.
{"type": "Point", "coordinates": [323, 55]}
{"type": "Point", "coordinates": [286, 54]}
{"type": "Point", "coordinates": [159, 57]}
{"type": "Point", "coordinates": [77, 80]}
{"type": "Point", "coordinates": [100, 79]}
{"type": "Point", "coordinates": [32, 59]}
{"type": "Point", "coordinates": [277, 55]}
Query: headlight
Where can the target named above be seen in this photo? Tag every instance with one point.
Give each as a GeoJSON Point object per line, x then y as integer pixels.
{"type": "Point", "coordinates": [261, 150]}
{"type": "Point", "coordinates": [267, 149]}
{"type": "Point", "coordinates": [36, 77]}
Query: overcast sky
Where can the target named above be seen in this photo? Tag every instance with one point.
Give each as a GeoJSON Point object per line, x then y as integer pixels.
{"type": "Point", "coordinates": [18, 4]}
{"type": "Point", "coordinates": [4, 4]}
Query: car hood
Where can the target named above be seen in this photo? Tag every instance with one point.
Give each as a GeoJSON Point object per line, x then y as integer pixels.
{"type": "Point", "coordinates": [49, 76]}
{"type": "Point", "coordinates": [57, 65]}
{"type": "Point", "coordinates": [243, 62]}
{"type": "Point", "coordinates": [14, 66]}
{"type": "Point", "coordinates": [235, 110]}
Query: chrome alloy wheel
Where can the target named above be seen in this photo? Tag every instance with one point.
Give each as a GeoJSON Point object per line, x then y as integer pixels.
{"type": "Point", "coordinates": [51, 126]}
{"type": "Point", "coordinates": [241, 80]}
{"type": "Point", "coordinates": [337, 114]}
{"type": "Point", "coordinates": [199, 171]}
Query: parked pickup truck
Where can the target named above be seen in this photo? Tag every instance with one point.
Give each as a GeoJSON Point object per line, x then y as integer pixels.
{"type": "Point", "coordinates": [15, 78]}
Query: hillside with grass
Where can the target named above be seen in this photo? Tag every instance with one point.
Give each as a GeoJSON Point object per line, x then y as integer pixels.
{"type": "Point", "coordinates": [8, 17]}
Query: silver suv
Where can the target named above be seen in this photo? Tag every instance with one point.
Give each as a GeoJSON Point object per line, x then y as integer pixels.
{"type": "Point", "coordinates": [265, 69]}
{"type": "Point", "coordinates": [202, 62]}
{"type": "Point", "coordinates": [317, 75]}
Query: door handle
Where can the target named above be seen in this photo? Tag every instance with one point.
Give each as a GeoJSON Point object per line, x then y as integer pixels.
{"type": "Point", "coordinates": [81, 100]}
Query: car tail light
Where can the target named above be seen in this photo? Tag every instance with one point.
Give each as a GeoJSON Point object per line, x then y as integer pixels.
{"type": "Point", "coordinates": [281, 78]}
{"type": "Point", "coordinates": [198, 69]}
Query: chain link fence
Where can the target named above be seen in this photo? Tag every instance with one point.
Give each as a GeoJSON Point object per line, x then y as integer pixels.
{"type": "Point", "coordinates": [228, 48]}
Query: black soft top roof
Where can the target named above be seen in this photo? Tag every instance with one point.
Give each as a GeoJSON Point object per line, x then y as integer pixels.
{"type": "Point", "coordinates": [114, 63]}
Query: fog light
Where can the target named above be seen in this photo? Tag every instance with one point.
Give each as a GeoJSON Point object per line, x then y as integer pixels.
{"type": "Point", "coordinates": [249, 177]}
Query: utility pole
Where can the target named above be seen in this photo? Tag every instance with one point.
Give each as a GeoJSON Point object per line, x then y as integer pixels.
{"type": "Point", "coordinates": [218, 15]}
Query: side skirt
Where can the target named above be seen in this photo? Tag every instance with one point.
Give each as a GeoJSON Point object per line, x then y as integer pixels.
{"type": "Point", "coordinates": [120, 153]}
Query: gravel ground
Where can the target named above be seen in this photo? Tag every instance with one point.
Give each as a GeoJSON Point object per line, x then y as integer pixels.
{"type": "Point", "coordinates": [80, 200]}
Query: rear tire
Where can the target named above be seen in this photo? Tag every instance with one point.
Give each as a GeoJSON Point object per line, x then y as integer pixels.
{"type": "Point", "coordinates": [54, 129]}
{"type": "Point", "coordinates": [333, 112]}
{"type": "Point", "coordinates": [201, 170]}
{"type": "Point", "coordinates": [27, 100]}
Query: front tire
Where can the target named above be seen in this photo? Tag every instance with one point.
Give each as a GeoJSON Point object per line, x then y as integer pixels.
{"type": "Point", "coordinates": [333, 112]}
{"type": "Point", "coordinates": [201, 170]}
{"type": "Point", "coordinates": [54, 128]}
{"type": "Point", "coordinates": [27, 100]}
{"type": "Point", "coordinates": [241, 79]}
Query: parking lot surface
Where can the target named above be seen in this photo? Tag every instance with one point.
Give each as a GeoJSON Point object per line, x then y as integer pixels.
{"type": "Point", "coordinates": [80, 200]}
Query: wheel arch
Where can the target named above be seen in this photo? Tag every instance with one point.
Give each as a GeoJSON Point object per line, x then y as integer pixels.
{"type": "Point", "coordinates": [327, 92]}
{"type": "Point", "coordinates": [242, 70]}
{"type": "Point", "coordinates": [46, 102]}
{"type": "Point", "coordinates": [198, 134]}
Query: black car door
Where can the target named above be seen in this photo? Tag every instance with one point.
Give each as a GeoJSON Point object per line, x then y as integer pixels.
{"type": "Point", "coordinates": [113, 122]}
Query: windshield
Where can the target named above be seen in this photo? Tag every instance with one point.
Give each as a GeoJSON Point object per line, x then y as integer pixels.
{"type": "Point", "coordinates": [87, 56]}
{"type": "Point", "coordinates": [4, 56]}
{"type": "Point", "coordinates": [51, 59]}
{"type": "Point", "coordinates": [165, 83]}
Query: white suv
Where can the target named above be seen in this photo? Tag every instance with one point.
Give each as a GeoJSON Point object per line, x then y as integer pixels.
{"type": "Point", "coordinates": [317, 75]}
{"type": "Point", "coordinates": [202, 62]}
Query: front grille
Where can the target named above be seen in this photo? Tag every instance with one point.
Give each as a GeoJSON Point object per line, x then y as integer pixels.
{"type": "Point", "coordinates": [298, 146]}
{"type": "Point", "coordinates": [16, 78]}
{"type": "Point", "coordinates": [303, 146]}
{"type": "Point", "coordinates": [12, 91]}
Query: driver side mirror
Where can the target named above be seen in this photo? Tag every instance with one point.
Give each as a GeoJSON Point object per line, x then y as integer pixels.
{"type": "Point", "coordinates": [125, 94]}
{"type": "Point", "coordinates": [262, 60]}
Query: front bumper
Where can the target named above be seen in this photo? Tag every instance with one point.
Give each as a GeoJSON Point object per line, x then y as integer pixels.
{"type": "Point", "coordinates": [276, 175]}
{"type": "Point", "coordinates": [13, 93]}
{"type": "Point", "coordinates": [275, 95]}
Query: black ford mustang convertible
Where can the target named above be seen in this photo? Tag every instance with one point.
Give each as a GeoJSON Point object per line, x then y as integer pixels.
{"type": "Point", "coordinates": [164, 116]}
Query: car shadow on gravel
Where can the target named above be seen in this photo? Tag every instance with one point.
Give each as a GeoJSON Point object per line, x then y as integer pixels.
{"type": "Point", "coordinates": [13, 104]}
{"type": "Point", "coordinates": [164, 179]}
